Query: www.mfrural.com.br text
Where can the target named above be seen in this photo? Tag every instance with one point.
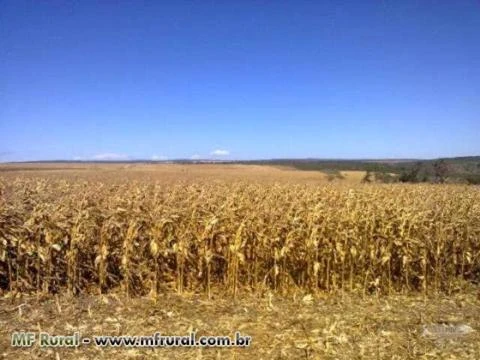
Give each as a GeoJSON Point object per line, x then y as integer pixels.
{"type": "Point", "coordinates": [157, 340]}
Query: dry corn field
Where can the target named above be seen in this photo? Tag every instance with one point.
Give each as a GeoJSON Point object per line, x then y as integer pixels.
{"type": "Point", "coordinates": [91, 236]}
{"type": "Point", "coordinates": [227, 238]}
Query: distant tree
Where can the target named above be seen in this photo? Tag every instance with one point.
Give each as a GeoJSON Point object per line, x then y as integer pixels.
{"type": "Point", "coordinates": [368, 177]}
{"type": "Point", "coordinates": [440, 170]}
{"type": "Point", "coordinates": [385, 177]}
{"type": "Point", "coordinates": [473, 179]}
{"type": "Point", "coordinates": [411, 174]}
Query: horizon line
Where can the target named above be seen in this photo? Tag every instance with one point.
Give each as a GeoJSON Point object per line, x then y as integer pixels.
{"type": "Point", "coordinates": [232, 160]}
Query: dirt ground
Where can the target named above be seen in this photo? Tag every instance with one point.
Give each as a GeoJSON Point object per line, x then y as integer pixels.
{"type": "Point", "coordinates": [289, 327]}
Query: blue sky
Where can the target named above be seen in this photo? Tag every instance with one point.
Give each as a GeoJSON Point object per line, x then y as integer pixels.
{"type": "Point", "coordinates": [239, 79]}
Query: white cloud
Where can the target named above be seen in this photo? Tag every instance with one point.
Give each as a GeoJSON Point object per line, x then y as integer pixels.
{"type": "Point", "coordinates": [159, 157]}
{"type": "Point", "coordinates": [195, 157]}
{"type": "Point", "coordinates": [220, 152]}
{"type": "Point", "coordinates": [78, 158]}
{"type": "Point", "coordinates": [110, 156]}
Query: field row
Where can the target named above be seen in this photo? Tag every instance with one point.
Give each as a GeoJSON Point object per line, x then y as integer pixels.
{"type": "Point", "coordinates": [90, 236]}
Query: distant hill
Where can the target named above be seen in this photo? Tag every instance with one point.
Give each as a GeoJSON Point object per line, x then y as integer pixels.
{"type": "Point", "coordinates": [457, 169]}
